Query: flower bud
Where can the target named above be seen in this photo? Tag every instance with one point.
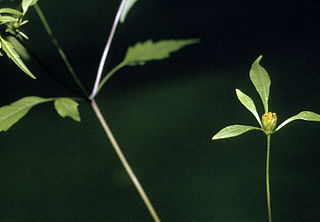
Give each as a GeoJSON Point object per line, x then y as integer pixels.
{"type": "Point", "coordinates": [269, 122]}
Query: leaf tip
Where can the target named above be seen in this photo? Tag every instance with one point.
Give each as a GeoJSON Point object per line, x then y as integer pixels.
{"type": "Point", "coordinates": [214, 138]}
{"type": "Point", "coordinates": [259, 58]}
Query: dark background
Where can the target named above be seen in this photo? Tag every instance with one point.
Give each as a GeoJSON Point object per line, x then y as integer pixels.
{"type": "Point", "coordinates": [164, 115]}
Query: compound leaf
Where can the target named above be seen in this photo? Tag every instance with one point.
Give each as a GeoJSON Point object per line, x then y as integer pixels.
{"type": "Point", "coordinates": [261, 81]}
{"type": "Point", "coordinates": [248, 103]}
{"type": "Point", "coordinates": [140, 53]}
{"type": "Point", "coordinates": [67, 107]}
{"type": "Point", "coordinates": [12, 54]}
{"type": "Point", "coordinates": [128, 5]}
{"type": "Point", "coordinates": [234, 130]}
{"type": "Point", "coordinates": [12, 113]}
{"type": "Point", "coordinates": [304, 115]}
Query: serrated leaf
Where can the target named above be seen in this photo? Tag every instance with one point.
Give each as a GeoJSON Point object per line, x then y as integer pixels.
{"type": "Point", "coordinates": [304, 115]}
{"type": "Point", "coordinates": [248, 103]}
{"type": "Point", "coordinates": [25, 4]}
{"type": "Point", "coordinates": [7, 18]}
{"type": "Point", "coordinates": [261, 81]}
{"type": "Point", "coordinates": [234, 130]}
{"type": "Point", "coordinates": [140, 53]}
{"type": "Point", "coordinates": [128, 5]}
{"type": "Point", "coordinates": [67, 107]}
{"type": "Point", "coordinates": [10, 11]}
{"type": "Point", "coordinates": [12, 54]}
{"type": "Point", "coordinates": [12, 113]}
{"type": "Point", "coordinates": [20, 49]}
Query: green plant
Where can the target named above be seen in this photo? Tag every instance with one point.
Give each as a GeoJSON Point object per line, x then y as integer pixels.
{"type": "Point", "coordinates": [136, 55]}
{"type": "Point", "coordinates": [268, 123]}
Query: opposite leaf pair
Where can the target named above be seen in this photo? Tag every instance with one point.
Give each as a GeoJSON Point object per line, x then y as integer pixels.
{"type": "Point", "coordinates": [261, 81]}
{"type": "Point", "coordinates": [268, 124]}
{"type": "Point", "coordinates": [10, 114]}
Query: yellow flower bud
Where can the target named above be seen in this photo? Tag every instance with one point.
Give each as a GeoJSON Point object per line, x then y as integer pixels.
{"type": "Point", "coordinates": [269, 122]}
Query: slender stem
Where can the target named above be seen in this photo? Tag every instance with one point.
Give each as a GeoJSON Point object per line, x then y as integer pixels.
{"type": "Point", "coordinates": [108, 76]}
{"type": "Point", "coordinates": [124, 162]}
{"type": "Point", "coordinates": [60, 50]}
{"type": "Point", "coordinates": [106, 50]}
{"type": "Point", "coordinates": [50, 73]}
{"type": "Point", "coordinates": [267, 177]}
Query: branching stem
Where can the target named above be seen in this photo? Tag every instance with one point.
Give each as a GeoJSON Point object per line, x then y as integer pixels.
{"type": "Point", "coordinates": [108, 76]}
{"type": "Point", "coordinates": [106, 50]}
{"type": "Point", "coordinates": [96, 88]}
{"type": "Point", "coordinates": [124, 162]}
{"type": "Point", "coordinates": [267, 177]}
{"type": "Point", "coordinates": [51, 74]}
{"type": "Point", "coordinates": [59, 49]}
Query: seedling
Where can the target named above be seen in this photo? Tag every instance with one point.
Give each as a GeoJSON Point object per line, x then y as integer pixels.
{"type": "Point", "coordinates": [268, 123]}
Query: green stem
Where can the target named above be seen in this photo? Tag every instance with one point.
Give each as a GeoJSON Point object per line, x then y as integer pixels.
{"type": "Point", "coordinates": [267, 177]}
{"type": "Point", "coordinates": [60, 50]}
{"type": "Point", "coordinates": [108, 76]}
{"type": "Point", "coordinates": [50, 73]}
{"type": "Point", "coordinates": [124, 162]}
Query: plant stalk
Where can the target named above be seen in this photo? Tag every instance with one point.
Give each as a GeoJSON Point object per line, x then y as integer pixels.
{"type": "Point", "coordinates": [60, 50]}
{"type": "Point", "coordinates": [124, 162]}
{"type": "Point", "coordinates": [267, 177]}
{"type": "Point", "coordinates": [106, 50]}
{"type": "Point", "coordinates": [51, 74]}
{"type": "Point", "coordinates": [109, 75]}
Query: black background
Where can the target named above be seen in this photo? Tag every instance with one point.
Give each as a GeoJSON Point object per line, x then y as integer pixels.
{"type": "Point", "coordinates": [164, 115]}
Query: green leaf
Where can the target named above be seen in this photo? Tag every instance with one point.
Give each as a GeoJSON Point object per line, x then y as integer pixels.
{"type": "Point", "coordinates": [140, 53]}
{"type": "Point", "coordinates": [25, 4]}
{"type": "Point", "coordinates": [261, 81]}
{"type": "Point", "coordinates": [10, 11]}
{"type": "Point", "coordinates": [248, 103]}
{"type": "Point", "coordinates": [128, 5]}
{"type": "Point", "coordinates": [304, 115]}
{"type": "Point", "coordinates": [12, 54]}
{"type": "Point", "coordinates": [10, 114]}
{"type": "Point", "coordinates": [234, 130]}
{"type": "Point", "coordinates": [67, 107]}
{"type": "Point", "coordinates": [7, 18]}
{"type": "Point", "coordinates": [20, 49]}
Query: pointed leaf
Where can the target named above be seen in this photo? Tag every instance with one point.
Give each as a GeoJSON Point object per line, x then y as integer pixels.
{"type": "Point", "coordinates": [248, 103]}
{"type": "Point", "coordinates": [10, 114]}
{"type": "Point", "coordinates": [10, 11]}
{"type": "Point", "coordinates": [128, 5]}
{"type": "Point", "coordinates": [304, 115]}
{"type": "Point", "coordinates": [261, 81]}
{"type": "Point", "coordinates": [20, 49]}
{"type": "Point", "coordinates": [67, 107]}
{"type": "Point", "coordinates": [234, 130]}
{"type": "Point", "coordinates": [25, 4]}
{"type": "Point", "coordinates": [140, 53]}
{"type": "Point", "coordinates": [7, 18]}
{"type": "Point", "coordinates": [12, 54]}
